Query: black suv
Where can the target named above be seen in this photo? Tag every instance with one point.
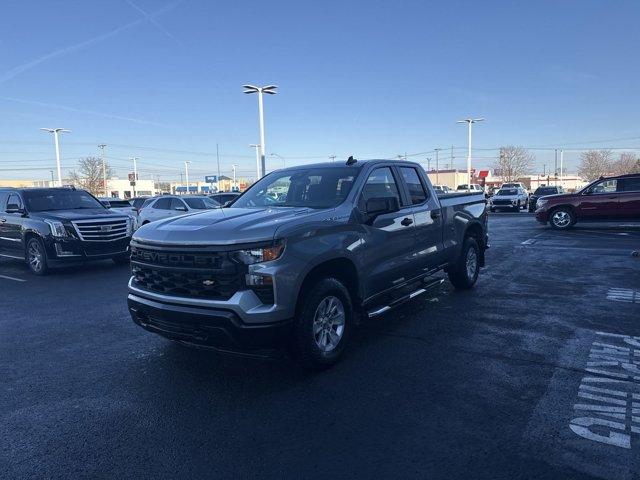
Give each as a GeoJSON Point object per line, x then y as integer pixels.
{"type": "Point", "coordinates": [49, 227]}
{"type": "Point", "coordinates": [543, 191]}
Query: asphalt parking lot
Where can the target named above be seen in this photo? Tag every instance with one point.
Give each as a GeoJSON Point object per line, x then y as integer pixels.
{"type": "Point", "coordinates": [535, 373]}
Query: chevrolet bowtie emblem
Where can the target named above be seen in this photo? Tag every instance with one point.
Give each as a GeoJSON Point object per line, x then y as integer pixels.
{"type": "Point", "coordinates": [208, 283]}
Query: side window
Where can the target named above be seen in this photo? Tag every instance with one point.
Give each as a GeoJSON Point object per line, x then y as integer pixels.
{"type": "Point", "coordinates": [177, 204]}
{"type": "Point", "coordinates": [162, 204]}
{"type": "Point", "coordinates": [631, 184]}
{"type": "Point", "coordinates": [606, 186]}
{"type": "Point", "coordinates": [417, 192]}
{"type": "Point", "coordinates": [14, 200]}
{"type": "Point", "coordinates": [379, 184]}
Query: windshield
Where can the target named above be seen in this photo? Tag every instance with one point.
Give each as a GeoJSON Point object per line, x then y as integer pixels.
{"type": "Point", "coordinates": [508, 191]}
{"type": "Point", "coordinates": [119, 203]}
{"type": "Point", "coordinates": [545, 191]}
{"type": "Point", "coordinates": [201, 203]}
{"type": "Point", "coordinates": [48, 200]}
{"type": "Point", "coordinates": [313, 188]}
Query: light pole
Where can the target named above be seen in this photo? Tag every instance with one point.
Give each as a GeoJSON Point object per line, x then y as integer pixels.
{"type": "Point", "coordinates": [52, 181]}
{"type": "Point", "coordinates": [104, 168]}
{"type": "Point", "coordinates": [332, 158]}
{"type": "Point", "coordinates": [269, 90]}
{"type": "Point", "coordinates": [55, 132]}
{"type": "Point", "coordinates": [234, 166]}
{"type": "Point", "coordinates": [469, 122]}
{"type": "Point", "coordinates": [561, 166]}
{"type": "Point", "coordinates": [284, 162]}
{"type": "Point", "coordinates": [186, 173]}
{"type": "Point", "coordinates": [437, 165]}
{"type": "Point", "coordinates": [257, 147]}
{"type": "Point", "coordinates": [135, 174]}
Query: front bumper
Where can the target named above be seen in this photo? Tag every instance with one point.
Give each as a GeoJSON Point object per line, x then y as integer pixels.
{"type": "Point", "coordinates": [69, 250]}
{"type": "Point", "coordinates": [219, 327]}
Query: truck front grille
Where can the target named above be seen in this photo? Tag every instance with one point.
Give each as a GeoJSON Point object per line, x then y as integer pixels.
{"type": "Point", "coordinates": [101, 230]}
{"type": "Point", "coordinates": [210, 275]}
{"type": "Point", "coordinates": [502, 202]}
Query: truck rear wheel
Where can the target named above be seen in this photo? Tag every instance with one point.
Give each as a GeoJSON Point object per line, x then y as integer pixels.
{"type": "Point", "coordinates": [464, 273]}
{"type": "Point", "coordinates": [323, 324]}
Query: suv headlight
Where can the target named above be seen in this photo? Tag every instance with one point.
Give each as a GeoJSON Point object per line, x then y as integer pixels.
{"type": "Point", "coordinates": [541, 203]}
{"type": "Point", "coordinates": [259, 255]}
{"type": "Point", "coordinates": [132, 225]}
{"type": "Point", "coordinates": [57, 228]}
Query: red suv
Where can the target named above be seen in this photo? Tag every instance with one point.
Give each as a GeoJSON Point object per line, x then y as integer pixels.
{"type": "Point", "coordinates": [607, 199]}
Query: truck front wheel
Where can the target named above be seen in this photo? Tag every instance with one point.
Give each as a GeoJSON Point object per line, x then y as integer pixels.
{"type": "Point", "coordinates": [464, 274]}
{"type": "Point", "coordinates": [323, 324]}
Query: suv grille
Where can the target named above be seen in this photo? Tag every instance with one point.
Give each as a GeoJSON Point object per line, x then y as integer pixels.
{"type": "Point", "coordinates": [210, 275]}
{"type": "Point", "coordinates": [101, 230]}
{"type": "Point", "coordinates": [502, 202]}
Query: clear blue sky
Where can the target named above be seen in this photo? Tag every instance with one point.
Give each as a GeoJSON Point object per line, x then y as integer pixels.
{"type": "Point", "coordinates": [368, 78]}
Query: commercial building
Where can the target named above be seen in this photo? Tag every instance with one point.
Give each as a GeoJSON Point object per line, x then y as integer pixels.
{"type": "Point", "coordinates": [121, 188]}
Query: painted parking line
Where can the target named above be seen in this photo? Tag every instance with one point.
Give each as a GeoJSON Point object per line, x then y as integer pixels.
{"type": "Point", "coordinates": [623, 295]}
{"type": "Point", "coordinates": [12, 278]}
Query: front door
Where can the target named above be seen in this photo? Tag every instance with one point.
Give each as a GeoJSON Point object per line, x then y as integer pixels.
{"type": "Point", "coordinates": [427, 214]}
{"type": "Point", "coordinates": [388, 244]}
{"type": "Point", "coordinates": [600, 201]}
{"type": "Point", "coordinates": [629, 199]}
{"type": "Point", "coordinates": [11, 225]}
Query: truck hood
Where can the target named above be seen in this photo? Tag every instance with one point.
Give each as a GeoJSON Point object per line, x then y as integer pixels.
{"type": "Point", "coordinates": [78, 214]}
{"type": "Point", "coordinates": [223, 226]}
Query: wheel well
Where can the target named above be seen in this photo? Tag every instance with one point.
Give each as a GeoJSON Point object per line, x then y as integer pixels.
{"type": "Point", "coordinates": [568, 207]}
{"type": "Point", "coordinates": [28, 236]}
{"type": "Point", "coordinates": [475, 231]}
{"type": "Point", "coordinates": [341, 269]}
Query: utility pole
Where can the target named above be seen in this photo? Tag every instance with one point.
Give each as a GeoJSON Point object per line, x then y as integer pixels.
{"type": "Point", "coordinates": [469, 122]}
{"type": "Point", "coordinates": [555, 167]}
{"type": "Point", "coordinates": [451, 159]}
{"type": "Point", "coordinates": [257, 147]}
{"type": "Point", "coordinates": [561, 165]}
{"type": "Point", "coordinates": [186, 173]}
{"type": "Point", "coordinates": [332, 158]}
{"type": "Point", "coordinates": [234, 166]}
{"type": "Point", "coordinates": [104, 168]}
{"type": "Point", "coordinates": [52, 180]}
{"type": "Point", "coordinates": [428, 164]}
{"type": "Point", "coordinates": [218, 158]}
{"type": "Point", "coordinates": [270, 90]}
{"type": "Point", "coordinates": [437, 165]}
{"type": "Point", "coordinates": [135, 174]}
{"type": "Point", "coordinates": [56, 132]}
{"type": "Point", "coordinates": [544, 169]}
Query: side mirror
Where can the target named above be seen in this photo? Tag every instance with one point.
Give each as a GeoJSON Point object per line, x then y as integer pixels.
{"type": "Point", "coordinates": [381, 205]}
{"type": "Point", "coordinates": [181, 209]}
{"type": "Point", "coordinates": [13, 208]}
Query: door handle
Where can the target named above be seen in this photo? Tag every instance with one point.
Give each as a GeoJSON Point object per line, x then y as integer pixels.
{"type": "Point", "coordinates": [435, 214]}
{"type": "Point", "coordinates": [406, 221]}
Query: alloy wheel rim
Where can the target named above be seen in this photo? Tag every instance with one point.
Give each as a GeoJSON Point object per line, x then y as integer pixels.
{"type": "Point", "coordinates": [328, 323]}
{"type": "Point", "coordinates": [35, 257]}
{"type": "Point", "coordinates": [561, 219]}
{"type": "Point", "coordinates": [472, 263]}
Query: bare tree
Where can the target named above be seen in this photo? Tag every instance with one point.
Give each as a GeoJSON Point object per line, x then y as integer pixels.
{"type": "Point", "coordinates": [513, 163]}
{"type": "Point", "coordinates": [595, 163]}
{"type": "Point", "coordinates": [89, 175]}
{"type": "Point", "coordinates": [628, 162]}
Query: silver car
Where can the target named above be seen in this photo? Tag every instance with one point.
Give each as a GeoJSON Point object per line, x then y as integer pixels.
{"type": "Point", "coordinates": [511, 198]}
{"type": "Point", "coordinates": [174, 206]}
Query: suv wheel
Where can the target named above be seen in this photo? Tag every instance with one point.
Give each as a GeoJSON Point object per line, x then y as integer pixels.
{"type": "Point", "coordinates": [36, 257]}
{"type": "Point", "coordinates": [562, 218]}
{"type": "Point", "coordinates": [323, 324]}
{"type": "Point", "coordinates": [464, 274]}
{"type": "Point", "coordinates": [517, 207]}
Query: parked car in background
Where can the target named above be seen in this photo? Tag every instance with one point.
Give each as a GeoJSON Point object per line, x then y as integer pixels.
{"type": "Point", "coordinates": [117, 205]}
{"type": "Point", "coordinates": [137, 203]}
{"type": "Point", "coordinates": [441, 189]}
{"type": "Point", "coordinates": [224, 198]}
{"type": "Point", "coordinates": [173, 206]}
{"type": "Point", "coordinates": [301, 255]}
{"type": "Point", "coordinates": [541, 192]}
{"type": "Point", "coordinates": [607, 199]}
{"type": "Point", "coordinates": [514, 185]}
{"type": "Point", "coordinates": [51, 227]}
{"type": "Point", "coordinates": [474, 188]}
{"type": "Point", "coordinates": [509, 198]}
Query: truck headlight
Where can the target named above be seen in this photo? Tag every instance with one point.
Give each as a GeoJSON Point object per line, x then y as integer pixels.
{"type": "Point", "coordinates": [259, 255]}
{"type": "Point", "coordinates": [57, 228]}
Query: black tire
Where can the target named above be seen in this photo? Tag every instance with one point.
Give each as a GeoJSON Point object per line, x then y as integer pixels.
{"type": "Point", "coordinates": [517, 207]}
{"type": "Point", "coordinates": [36, 257]}
{"type": "Point", "coordinates": [492, 210]}
{"type": "Point", "coordinates": [121, 259]}
{"type": "Point", "coordinates": [306, 339]}
{"type": "Point", "coordinates": [460, 276]}
{"type": "Point", "coordinates": [562, 218]}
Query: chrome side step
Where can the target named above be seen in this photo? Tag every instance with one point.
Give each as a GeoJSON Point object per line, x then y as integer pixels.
{"type": "Point", "coordinates": [401, 300]}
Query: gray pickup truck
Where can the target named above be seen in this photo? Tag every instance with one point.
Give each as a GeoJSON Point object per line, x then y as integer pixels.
{"type": "Point", "coordinates": [302, 256]}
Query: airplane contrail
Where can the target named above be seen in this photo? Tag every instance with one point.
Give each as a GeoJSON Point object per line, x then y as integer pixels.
{"type": "Point", "coordinates": [14, 72]}
{"type": "Point", "coordinates": [153, 21]}
{"type": "Point", "coordinates": [79, 110]}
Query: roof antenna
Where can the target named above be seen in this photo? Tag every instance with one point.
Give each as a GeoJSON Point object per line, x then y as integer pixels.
{"type": "Point", "coordinates": [351, 160]}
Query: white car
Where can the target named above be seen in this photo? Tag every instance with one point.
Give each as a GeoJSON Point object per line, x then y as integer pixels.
{"type": "Point", "coordinates": [474, 188]}
{"type": "Point", "coordinates": [514, 185]}
{"type": "Point", "coordinates": [509, 198]}
{"type": "Point", "coordinates": [172, 206]}
{"type": "Point", "coordinates": [441, 189]}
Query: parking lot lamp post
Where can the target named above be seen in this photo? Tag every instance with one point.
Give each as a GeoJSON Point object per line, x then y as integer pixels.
{"type": "Point", "coordinates": [269, 90]}
{"type": "Point", "coordinates": [104, 168]}
{"type": "Point", "coordinates": [56, 132]}
{"type": "Point", "coordinates": [186, 173]}
{"type": "Point", "coordinates": [437, 165]}
{"type": "Point", "coordinates": [135, 174]}
{"type": "Point", "coordinates": [469, 122]}
{"type": "Point", "coordinates": [233, 167]}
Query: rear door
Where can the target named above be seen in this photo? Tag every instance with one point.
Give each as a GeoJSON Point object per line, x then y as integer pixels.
{"type": "Point", "coordinates": [178, 207]}
{"type": "Point", "coordinates": [428, 246]}
{"type": "Point", "coordinates": [629, 197]}
{"type": "Point", "coordinates": [600, 201]}
{"type": "Point", "coordinates": [11, 225]}
{"type": "Point", "coordinates": [388, 245]}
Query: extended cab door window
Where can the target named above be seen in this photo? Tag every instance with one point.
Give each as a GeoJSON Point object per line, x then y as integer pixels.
{"type": "Point", "coordinates": [380, 183]}
{"type": "Point", "coordinates": [417, 192]}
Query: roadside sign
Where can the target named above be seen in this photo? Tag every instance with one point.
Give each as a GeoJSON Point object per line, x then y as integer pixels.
{"type": "Point", "coordinates": [211, 178]}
